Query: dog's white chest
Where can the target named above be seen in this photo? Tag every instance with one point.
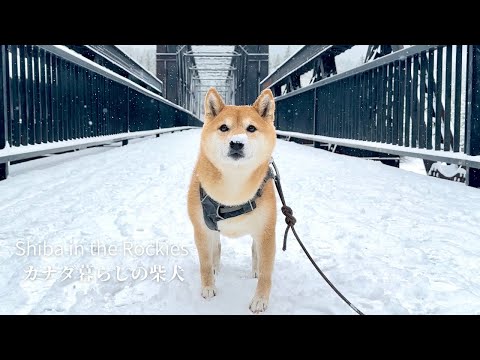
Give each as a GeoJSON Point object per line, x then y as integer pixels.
{"type": "Point", "coordinates": [245, 224]}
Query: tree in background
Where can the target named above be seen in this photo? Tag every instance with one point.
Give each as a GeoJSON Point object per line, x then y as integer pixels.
{"type": "Point", "coordinates": [279, 53]}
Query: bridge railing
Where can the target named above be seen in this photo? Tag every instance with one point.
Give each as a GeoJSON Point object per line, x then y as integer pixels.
{"type": "Point", "coordinates": [52, 95]}
{"type": "Point", "coordinates": [422, 101]}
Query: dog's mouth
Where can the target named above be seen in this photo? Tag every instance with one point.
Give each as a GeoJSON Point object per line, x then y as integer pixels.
{"type": "Point", "coordinates": [236, 154]}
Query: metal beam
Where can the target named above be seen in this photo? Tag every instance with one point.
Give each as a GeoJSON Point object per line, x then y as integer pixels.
{"type": "Point", "coordinates": [129, 64]}
{"type": "Point", "coordinates": [303, 57]}
{"type": "Point", "coordinates": [167, 70]}
{"type": "Point", "coordinates": [256, 69]}
{"type": "Point", "coordinates": [118, 61]}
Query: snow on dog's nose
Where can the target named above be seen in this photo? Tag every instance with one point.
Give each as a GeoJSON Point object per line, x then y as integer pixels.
{"type": "Point", "coordinates": [239, 138]}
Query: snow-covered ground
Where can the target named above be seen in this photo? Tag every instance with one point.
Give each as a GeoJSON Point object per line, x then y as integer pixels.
{"type": "Point", "coordinates": [413, 164]}
{"type": "Point", "coordinates": [394, 242]}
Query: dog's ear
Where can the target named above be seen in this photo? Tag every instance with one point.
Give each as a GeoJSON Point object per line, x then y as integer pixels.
{"type": "Point", "coordinates": [265, 104]}
{"type": "Point", "coordinates": [213, 104]}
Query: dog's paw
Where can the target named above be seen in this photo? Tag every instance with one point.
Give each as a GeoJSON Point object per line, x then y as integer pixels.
{"type": "Point", "coordinates": [259, 304]}
{"type": "Point", "coordinates": [208, 292]}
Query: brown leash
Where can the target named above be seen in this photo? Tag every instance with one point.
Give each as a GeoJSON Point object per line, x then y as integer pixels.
{"type": "Point", "coordinates": [290, 220]}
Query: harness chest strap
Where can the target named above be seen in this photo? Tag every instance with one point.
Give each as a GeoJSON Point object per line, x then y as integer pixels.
{"type": "Point", "coordinates": [213, 211]}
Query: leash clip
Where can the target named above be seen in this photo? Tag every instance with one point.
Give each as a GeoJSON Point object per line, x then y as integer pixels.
{"type": "Point", "coordinates": [276, 174]}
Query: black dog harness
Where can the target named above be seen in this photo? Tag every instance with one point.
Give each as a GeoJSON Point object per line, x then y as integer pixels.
{"type": "Point", "coordinates": [213, 211]}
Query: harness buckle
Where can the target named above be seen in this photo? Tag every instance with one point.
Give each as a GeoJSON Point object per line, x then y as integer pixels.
{"type": "Point", "coordinates": [218, 213]}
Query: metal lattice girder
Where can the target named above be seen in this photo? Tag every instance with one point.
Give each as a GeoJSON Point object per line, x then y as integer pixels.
{"type": "Point", "coordinates": [252, 66]}
{"type": "Point", "coordinates": [115, 59]}
{"type": "Point", "coordinates": [234, 70]}
{"type": "Point", "coordinates": [377, 51]}
{"type": "Point", "coordinates": [167, 69]}
{"type": "Point", "coordinates": [324, 67]}
{"type": "Point", "coordinates": [305, 59]}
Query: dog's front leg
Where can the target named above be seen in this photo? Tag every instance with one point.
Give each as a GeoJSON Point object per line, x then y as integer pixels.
{"type": "Point", "coordinates": [264, 244]}
{"type": "Point", "coordinates": [204, 239]}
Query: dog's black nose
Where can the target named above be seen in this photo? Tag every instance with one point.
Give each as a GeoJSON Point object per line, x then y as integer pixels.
{"type": "Point", "coordinates": [236, 145]}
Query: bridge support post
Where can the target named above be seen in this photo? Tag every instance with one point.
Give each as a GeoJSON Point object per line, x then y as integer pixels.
{"type": "Point", "coordinates": [4, 171]}
{"type": "Point", "coordinates": [3, 109]}
{"type": "Point", "coordinates": [167, 71]}
{"type": "Point", "coordinates": [257, 70]}
{"type": "Point", "coordinates": [472, 121]}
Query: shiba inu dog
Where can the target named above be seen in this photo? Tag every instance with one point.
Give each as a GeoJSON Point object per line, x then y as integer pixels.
{"type": "Point", "coordinates": [232, 191]}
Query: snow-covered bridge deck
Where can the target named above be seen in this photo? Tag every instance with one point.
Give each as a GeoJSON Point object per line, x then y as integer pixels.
{"type": "Point", "coordinates": [392, 241]}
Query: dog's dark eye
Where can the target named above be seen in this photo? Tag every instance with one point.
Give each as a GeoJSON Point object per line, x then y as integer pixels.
{"type": "Point", "coordinates": [223, 128]}
{"type": "Point", "coordinates": [251, 128]}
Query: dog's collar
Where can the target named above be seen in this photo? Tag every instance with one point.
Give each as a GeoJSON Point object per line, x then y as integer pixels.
{"type": "Point", "coordinates": [213, 211]}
